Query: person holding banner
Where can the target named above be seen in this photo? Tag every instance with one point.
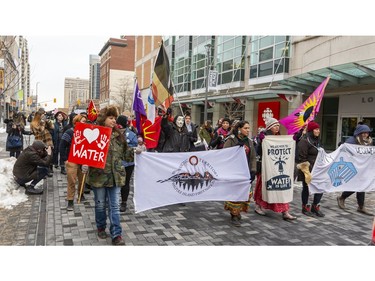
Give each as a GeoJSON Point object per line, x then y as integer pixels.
{"type": "Point", "coordinates": [106, 183]}
{"type": "Point", "coordinates": [240, 137]}
{"type": "Point", "coordinates": [307, 153]}
{"type": "Point", "coordinates": [131, 139]}
{"type": "Point", "coordinates": [272, 128]}
{"type": "Point", "coordinates": [73, 170]}
{"type": "Point", "coordinates": [361, 136]}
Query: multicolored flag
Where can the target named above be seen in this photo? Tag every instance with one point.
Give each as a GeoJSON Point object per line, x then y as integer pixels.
{"type": "Point", "coordinates": [306, 112]}
{"type": "Point", "coordinates": [92, 113]}
{"type": "Point", "coordinates": [138, 107]}
{"type": "Point", "coordinates": [162, 89]}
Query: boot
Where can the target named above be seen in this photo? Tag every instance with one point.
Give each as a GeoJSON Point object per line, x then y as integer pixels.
{"type": "Point", "coordinates": [63, 171]}
{"type": "Point", "coordinates": [235, 220]}
{"type": "Point", "coordinates": [315, 209]}
{"type": "Point", "coordinates": [123, 207]}
{"type": "Point", "coordinates": [341, 202]}
{"type": "Point", "coordinates": [363, 210]}
{"type": "Point", "coordinates": [30, 190]}
{"type": "Point", "coordinates": [70, 206]}
{"type": "Point", "coordinates": [306, 210]}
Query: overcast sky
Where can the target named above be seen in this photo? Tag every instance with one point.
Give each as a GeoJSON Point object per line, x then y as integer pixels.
{"type": "Point", "coordinates": [53, 58]}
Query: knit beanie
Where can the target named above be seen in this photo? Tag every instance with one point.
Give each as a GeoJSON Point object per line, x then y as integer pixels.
{"type": "Point", "coordinates": [312, 126]}
{"type": "Point", "coordinates": [122, 120]}
{"type": "Point", "coordinates": [271, 122]}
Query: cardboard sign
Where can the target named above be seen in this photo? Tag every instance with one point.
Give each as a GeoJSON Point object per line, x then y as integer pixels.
{"type": "Point", "coordinates": [90, 145]}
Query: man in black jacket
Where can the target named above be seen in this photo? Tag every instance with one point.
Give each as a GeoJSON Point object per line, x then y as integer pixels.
{"type": "Point", "coordinates": [32, 165]}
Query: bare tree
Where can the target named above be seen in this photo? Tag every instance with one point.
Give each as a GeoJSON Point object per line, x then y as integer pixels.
{"type": "Point", "coordinates": [124, 94]}
{"type": "Point", "coordinates": [234, 110]}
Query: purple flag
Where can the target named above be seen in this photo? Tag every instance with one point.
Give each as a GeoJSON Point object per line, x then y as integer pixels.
{"type": "Point", "coordinates": [138, 107]}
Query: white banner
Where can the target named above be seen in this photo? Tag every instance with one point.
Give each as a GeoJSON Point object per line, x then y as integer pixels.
{"type": "Point", "coordinates": [349, 168]}
{"type": "Point", "coordinates": [212, 79]}
{"type": "Point", "coordinates": [278, 169]}
{"type": "Point", "coordinates": [169, 178]}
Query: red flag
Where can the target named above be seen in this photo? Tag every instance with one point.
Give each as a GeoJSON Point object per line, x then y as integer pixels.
{"type": "Point", "coordinates": [151, 132]}
{"type": "Point", "coordinates": [92, 113]}
{"type": "Point", "coordinates": [268, 109]}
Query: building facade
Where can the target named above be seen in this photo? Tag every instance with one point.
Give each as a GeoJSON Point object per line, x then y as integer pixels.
{"type": "Point", "coordinates": [252, 72]}
{"type": "Point", "coordinates": [14, 75]}
{"type": "Point", "coordinates": [94, 86]}
{"type": "Point", "coordinates": [117, 72]}
{"type": "Point", "coordinates": [76, 93]}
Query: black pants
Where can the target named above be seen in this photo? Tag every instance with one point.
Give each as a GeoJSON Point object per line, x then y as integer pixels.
{"type": "Point", "coordinates": [360, 197]}
{"type": "Point", "coordinates": [39, 174]}
{"type": "Point", "coordinates": [305, 195]}
{"type": "Point", "coordinates": [126, 188]}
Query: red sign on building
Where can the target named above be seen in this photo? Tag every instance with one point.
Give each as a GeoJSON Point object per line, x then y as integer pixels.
{"type": "Point", "coordinates": [90, 145]}
{"type": "Point", "coordinates": [270, 109]}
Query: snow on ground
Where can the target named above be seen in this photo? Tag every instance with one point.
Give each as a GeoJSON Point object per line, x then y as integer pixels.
{"type": "Point", "coordinates": [11, 194]}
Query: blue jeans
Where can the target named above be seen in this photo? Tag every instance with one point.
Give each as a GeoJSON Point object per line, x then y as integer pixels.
{"type": "Point", "coordinates": [108, 196]}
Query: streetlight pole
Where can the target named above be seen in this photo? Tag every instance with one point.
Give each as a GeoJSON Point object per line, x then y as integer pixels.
{"type": "Point", "coordinates": [208, 47]}
{"type": "Point", "coordinates": [36, 95]}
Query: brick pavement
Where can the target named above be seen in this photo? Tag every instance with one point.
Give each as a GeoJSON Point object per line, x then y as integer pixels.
{"type": "Point", "coordinates": [44, 220]}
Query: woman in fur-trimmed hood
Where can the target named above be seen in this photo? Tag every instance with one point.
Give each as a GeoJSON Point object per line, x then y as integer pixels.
{"type": "Point", "coordinates": [361, 136]}
{"type": "Point", "coordinates": [106, 183]}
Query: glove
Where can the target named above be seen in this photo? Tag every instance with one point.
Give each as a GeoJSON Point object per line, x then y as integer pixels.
{"type": "Point", "coordinates": [85, 169]}
{"type": "Point", "coordinates": [169, 111]}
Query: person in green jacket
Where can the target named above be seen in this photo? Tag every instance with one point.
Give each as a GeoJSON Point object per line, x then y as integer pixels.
{"type": "Point", "coordinates": [106, 183]}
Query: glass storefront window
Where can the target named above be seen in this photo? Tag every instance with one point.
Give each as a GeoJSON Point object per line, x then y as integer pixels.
{"type": "Point", "coordinates": [265, 42]}
{"type": "Point", "coordinates": [265, 54]}
{"type": "Point", "coordinates": [265, 69]}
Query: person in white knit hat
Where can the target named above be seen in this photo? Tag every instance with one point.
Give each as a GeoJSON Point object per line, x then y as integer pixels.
{"type": "Point", "coordinates": [272, 128]}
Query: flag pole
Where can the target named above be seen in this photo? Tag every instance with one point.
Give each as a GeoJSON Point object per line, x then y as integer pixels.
{"type": "Point", "coordinates": [81, 187]}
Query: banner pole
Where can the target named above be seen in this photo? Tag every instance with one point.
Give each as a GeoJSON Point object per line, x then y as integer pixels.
{"type": "Point", "coordinates": [81, 187]}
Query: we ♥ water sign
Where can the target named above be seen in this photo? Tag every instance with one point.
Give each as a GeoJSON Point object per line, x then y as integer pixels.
{"type": "Point", "coordinates": [90, 145]}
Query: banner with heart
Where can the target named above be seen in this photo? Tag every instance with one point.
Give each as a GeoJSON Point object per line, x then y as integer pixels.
{"type": "Point", "coordinates": [90, 144]}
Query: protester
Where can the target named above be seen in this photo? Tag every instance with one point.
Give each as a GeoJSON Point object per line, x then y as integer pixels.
{"type": "Point", "coordinates": [40, 127]}
{"type": "Point", "coordinates": [32, 165]}
{"type": "Point", "coordinates": [192, 132]}
{"type": "Point", "coordinates": [361, 136]}
{"type": "Point", "coordinates": [307, 153]}
{"type": "Point", "coordinates": [218, 124]}
{"type": "Point", "coordinates": [240, 137]}
{"type": "Point", "coordinates": [206, 131]}
{"type": "Point", "coordinates": [15, 129]}
{"type": "Point", "coordinates": [131, 139]}
{"type": "Point", "coordinates": [73, 170]}
{"type": "Point", "coordinates": [141, 147]}
{"type": "Point", "coordinates": [106, 183]}
{"type": "Point", "coordinates": [176, 138]}
{"type": "Point", "coordinates": [58, 130]}
{"type": "Point", "coordinates": [272, 128]}
{"type": "Point", "coordinates": [221, 133]}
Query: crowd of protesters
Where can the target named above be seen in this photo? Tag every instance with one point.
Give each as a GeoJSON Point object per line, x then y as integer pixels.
{"type": "Point", "coordinates": [111, 188]}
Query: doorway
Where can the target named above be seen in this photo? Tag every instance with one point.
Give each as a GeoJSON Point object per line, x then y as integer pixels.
{"type": "Point", "coordinates": [349, 123]}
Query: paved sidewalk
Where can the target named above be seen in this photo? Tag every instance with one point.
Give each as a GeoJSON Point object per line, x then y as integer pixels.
{"type": "Point", "coordinates": [44, 220]}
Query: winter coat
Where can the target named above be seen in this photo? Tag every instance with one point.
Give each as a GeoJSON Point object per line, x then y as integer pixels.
{"type": "Point", "coordinates": [131, 140]}
{"type": "Point", "coordinates": [193, 136]}
{"type": "Point", "coordinates": [28, 161]}
{"type": "Point", "coordinates": [174, 139]}
{"type": "Point", "coordinates": [307, 151]}
{"type": "Point", "coordinates": [113, 173]}
{"type": "Point", "coordinates": [42, 133]}
{"type": "Point", "coordinates": [205, 133]}
{"type": "Point", "coordinates": [218, 139]}
{"type": "Point", "coordinates": [18, 131]}
{"type": "Point", "coordinates": [65, 143]}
